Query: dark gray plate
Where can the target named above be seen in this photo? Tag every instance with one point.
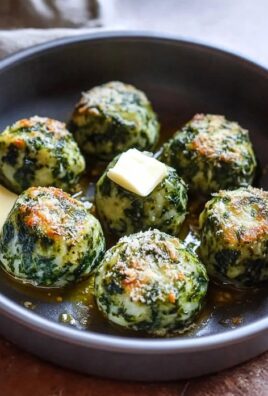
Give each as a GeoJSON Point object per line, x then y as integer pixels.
{"type": "Point", "coordinates": [181, 79]}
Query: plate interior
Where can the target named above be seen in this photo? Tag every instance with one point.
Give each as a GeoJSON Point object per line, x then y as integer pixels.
{"type": "Point", "coordinates": [181, 80]}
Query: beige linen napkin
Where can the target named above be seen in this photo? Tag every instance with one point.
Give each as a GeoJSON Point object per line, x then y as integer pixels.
{"type": "Point", "coordinates": [27, 22]}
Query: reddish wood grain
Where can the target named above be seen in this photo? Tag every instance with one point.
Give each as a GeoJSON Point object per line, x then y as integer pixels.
{"type": "Point", "coordinates": [22, 374]}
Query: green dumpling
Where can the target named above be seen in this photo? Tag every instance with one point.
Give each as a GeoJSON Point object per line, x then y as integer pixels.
{"type": "Point", "coordinates": [39, 152]}
{"type": "Point", "coordinates": [211, 153]}
{"type": "Point", "coordinates": [234, 236]}
{"type": "Point", "coordinates": [50, 239]}
{"type": "Point", "coordinates": [150, 282]}
{"type": "Point", "coordinates": [123, 212]}
{"type": "Point", "coordinates": [112, 118]}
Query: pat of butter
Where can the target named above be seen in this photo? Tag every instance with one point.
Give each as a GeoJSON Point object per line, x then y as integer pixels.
{"type": "Point", "coordinates": [7, 200]}
{"type": "Point", "coordinates": [138, 173]}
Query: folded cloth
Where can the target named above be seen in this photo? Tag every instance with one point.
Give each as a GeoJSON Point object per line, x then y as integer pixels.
{"type": "Point", "coordinates": [22, 21]}
{"type": "Point", "coordinates": [12, 41]}
{"type": "Point", "coordinates": [48, 13]}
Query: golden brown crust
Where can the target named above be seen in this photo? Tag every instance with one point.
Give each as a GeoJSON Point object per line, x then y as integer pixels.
{"type": "Point", "coordinates": [48, 215]}
{"type": "Point", "coordinates": [206, 146]}
{"type": "Point", "coordinates": [51, 125]}
{"type": "Point", "coordinates": [244, 224]}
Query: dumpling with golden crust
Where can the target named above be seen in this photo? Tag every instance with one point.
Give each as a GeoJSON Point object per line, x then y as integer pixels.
{"type": "Point", "coordinates": [39, 151]}
{"type": "Point", "coordinates": [234, 236]}
{"type": "Point", "coordinates": [150, 282]}
{"type": "Point", "coordinates": [50, 239]}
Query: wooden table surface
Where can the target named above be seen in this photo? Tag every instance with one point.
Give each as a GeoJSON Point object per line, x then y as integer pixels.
{"type": "Point", "coordinates": [22, 374]}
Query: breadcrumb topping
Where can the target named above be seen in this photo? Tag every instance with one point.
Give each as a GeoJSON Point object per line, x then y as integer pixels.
{"type": "Point", "coordinates": [243, 213]}
{"type": "Point", "coordinates": [216, 138]}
